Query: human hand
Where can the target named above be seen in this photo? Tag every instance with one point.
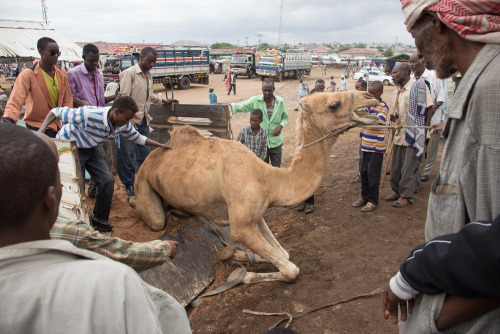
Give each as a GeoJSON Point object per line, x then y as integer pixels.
{"type": "Point", "coordinates": [438, 126]}
{"type": "Point", "coordinates": [393, 118]}
{"type": "Point", "coordinates": [390, 304]}
{"type": "Point", "coordinates": [173, 245]}
{"type": "Point", "coordinates": [277, 130]}
{"type": "Point", "coordinates": [170, 101]}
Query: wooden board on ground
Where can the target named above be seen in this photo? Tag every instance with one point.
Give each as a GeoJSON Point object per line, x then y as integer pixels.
{"type": "Point", "coordinates": [215, 118]}
{"type": "Point", "coordinates": [193, 268]}
{"type": "Point", "coordinates": [72, 206]}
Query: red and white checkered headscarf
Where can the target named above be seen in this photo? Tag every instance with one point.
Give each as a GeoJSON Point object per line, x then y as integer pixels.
{"type": "Point", "coordinates": [475, 20]}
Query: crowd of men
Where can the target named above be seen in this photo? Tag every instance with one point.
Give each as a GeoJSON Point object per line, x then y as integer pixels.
{"type": "Point", "coordinates": [449, 283]}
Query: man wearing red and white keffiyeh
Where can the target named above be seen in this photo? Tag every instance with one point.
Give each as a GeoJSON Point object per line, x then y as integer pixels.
{"type": "Point", "coordinates": [463, 36]}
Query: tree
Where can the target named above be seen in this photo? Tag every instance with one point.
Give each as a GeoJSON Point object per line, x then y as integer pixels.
{"type": "Point", "coordinates": [223, 45]}
{"type": "Point", "coordinates": [380, 49]}
{"type": "Point", "coordinates": [388, 53]}
{"type": "Point", "coordinates": [265, 46]}
{"type": "Point", "coordinates": [360, 45]}
{"type": "Point", "coordinates": [344, 47]}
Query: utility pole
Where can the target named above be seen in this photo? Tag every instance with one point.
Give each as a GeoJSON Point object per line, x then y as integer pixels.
{"type": "Point", "coordinates": [281, 22]}
{"type": "Point", "coordinates": [260, 36]}
{"type": "Point", "coordinates": [246, 40]}
{"type": "Point", "coordinates": [395, 43]}
{"type": "Point", "coordinates": [44, 13]}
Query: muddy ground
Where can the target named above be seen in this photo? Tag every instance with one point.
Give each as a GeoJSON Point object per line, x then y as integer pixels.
{"type": "Point", "coordinates": [341, 252]}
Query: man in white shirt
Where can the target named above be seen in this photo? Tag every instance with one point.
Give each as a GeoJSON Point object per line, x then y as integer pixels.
{"type": "Point", "coordinates": [303, 90]}
{"type": "Point", "coordinates": [50, 286]}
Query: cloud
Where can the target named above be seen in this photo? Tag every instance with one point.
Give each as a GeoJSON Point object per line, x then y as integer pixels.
{"type": "Point", "coordinates": [160, 21]}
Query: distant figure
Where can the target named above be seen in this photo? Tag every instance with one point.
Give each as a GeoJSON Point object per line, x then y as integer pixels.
{"type": "Point", "coordinates": [343, 84]}
{"type": "Point", "coordinates": [324, 69]}
{"type": "Point", "coordinates": [346, 72]}
{"type": "Point", "coordinates": [112, 88]}
{"type": "Point", "coordinates": [232, 83]}
{"type": "Point", "coordinates": [303, 90]}
{"type": "Point", "coordinates": [254, 136]}
{"type": "Point", "coordinates": [333, 84]}
{"type": "Point", "coordinates": [212, 96]}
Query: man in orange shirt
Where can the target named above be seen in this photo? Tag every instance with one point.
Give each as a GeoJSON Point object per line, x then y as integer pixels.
{"type": "Point", "coordinates": [42, 86]}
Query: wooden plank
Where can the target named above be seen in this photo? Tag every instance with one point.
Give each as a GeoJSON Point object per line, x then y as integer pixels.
{"type": "Point", "coordinates": [71, 206]}
{"type": "Point", "coordinates": [193, 268]}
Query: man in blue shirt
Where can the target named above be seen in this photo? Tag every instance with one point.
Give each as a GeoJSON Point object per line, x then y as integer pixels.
{"type": "Point", "coordinates": [90, 126]}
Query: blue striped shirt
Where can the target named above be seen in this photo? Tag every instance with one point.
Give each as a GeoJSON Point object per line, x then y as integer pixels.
{"type": "Point", "coordinates": [89, 126]}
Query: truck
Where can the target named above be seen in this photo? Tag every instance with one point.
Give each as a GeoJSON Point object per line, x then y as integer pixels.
{"type": "Point", "coordinates": [174, 66]}
{"type": "Point", "coordinates": [243, 63]}
{"type": "Point", "coordinates": [279, 65]}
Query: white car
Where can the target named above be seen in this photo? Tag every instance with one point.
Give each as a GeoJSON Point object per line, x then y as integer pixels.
{"type": "Point", "coordinates": [375, 76]}
{"type": "Point", "coordinates": [363, 70]}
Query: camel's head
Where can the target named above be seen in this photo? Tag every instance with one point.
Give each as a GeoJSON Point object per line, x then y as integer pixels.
{"type": "Point", "coordinates": [331, 111]}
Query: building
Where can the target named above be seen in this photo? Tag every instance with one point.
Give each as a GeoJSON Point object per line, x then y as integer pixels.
{"type": "Point", "coordinates": [360, 52]}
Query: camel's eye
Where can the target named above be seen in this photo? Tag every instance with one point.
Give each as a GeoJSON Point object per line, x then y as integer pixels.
{"type": "Point", "coordinates": [334, 107]}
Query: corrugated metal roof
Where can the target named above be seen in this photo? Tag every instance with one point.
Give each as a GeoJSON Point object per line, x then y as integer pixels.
{"type": "Point", "coordinates": [111, 47]}
{"type": "Point", "coordinates": [19, 39]}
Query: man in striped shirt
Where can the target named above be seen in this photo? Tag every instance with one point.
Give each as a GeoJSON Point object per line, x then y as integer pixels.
{"type": "Point", "coordinates": [373, 149]}
{"type": "Point", "coordinates": [89, 127]}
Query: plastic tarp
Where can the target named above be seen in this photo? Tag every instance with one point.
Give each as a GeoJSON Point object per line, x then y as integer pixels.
{"type": "Point", "coordinates": [19, 40]}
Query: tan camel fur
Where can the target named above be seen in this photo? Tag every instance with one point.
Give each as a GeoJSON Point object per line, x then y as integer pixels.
{"type": "Point", "coordinates": [225, 182]}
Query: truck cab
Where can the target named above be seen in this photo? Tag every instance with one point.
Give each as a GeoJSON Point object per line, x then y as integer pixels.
{"type": "Point", "coordinates": [243, 64]}
{"type": "Point", "coordinates": [114, 65]}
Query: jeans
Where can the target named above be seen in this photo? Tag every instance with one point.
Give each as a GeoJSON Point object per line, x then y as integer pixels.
{"type": "Point", "coordinates": [48, 132]}
{"type": "Point", "coordinates": [232, 86]}
{"type": "Point", "coordinates": [371, 166]}
{"type": "Point", "coordinates": [126, 153]}
{"type": "Point", "coordinates": [275, 155]}
{"type": "Point", "coordinates": [92, 160]}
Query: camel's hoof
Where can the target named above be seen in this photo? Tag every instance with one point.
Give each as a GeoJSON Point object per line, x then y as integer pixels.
{"type": "Point", "coordinates": [227, 253]}
{"type": "Point", "coordinates": [234, 275]}
{"type": "Point", "coordinates": [132, 201]}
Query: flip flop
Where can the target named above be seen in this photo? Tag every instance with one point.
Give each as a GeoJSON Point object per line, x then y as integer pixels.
{"type": "Point", "coordinates": [401, 202]}
{"type": "Point", "coordinates": [302, 206]}
{"type": "Point", "coordinates": [309, 209]}
{"type": "Point", "coordinates": [390, 198]}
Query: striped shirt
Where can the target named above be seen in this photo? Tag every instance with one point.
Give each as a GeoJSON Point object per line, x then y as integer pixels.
{"type": "Point", "coordinates": [256, 143]}
{"type": "Point", "coordinates": [138, 255]}
{"type": "Point", "coordinates": [90, 126]}
{"type": "Point", "coordinates": [372, 139]}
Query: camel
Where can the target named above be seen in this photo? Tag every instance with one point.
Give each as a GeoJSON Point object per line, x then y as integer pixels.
{"type": "Point", "coordinates": [223, 181]}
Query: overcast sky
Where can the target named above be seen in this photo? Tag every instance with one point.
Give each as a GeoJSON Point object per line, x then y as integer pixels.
{"type": "Point", "coordinates": [165, 21]}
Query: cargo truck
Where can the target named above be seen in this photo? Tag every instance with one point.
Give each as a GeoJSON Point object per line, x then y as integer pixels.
{"type": "Point", "coordinates": [174, 66]}
{"type": "Point", "coordinates": [243, 64]}
{"type": "Point", "coordinates": [278, 65]}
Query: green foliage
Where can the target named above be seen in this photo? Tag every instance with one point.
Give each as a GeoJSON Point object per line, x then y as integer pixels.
{"type": "Point", "coordinates": [328, 45]}
{"type": "Point", "coordinates": [380, 49]}
{"type": "Point", "coordinates": [388, 53]}
{"type": "Point", "coordinates": [223, 45]}
{"type": "Point", "coordinates": [360, 45]}
{"type": "Point", "coordinates": [265, 46]}
{"type": "Point", "coordinates": [344, 47]}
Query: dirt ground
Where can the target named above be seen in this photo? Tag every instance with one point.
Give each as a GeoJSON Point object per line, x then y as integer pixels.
{"type": "Point", "coordinates": [341, 252]}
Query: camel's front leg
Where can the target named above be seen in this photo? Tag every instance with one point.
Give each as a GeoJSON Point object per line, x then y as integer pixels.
{"type": "Point", "coordinates": [251, 236]}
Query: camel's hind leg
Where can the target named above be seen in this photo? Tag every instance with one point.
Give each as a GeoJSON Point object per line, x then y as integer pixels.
{"type": "Point", "coordinates": [149, 204]}
{"type": "Point", "coordinates": [249, 234]}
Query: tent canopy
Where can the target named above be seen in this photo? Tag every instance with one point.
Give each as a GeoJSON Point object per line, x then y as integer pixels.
{"type": "Point", "coordinates": [19, 40]}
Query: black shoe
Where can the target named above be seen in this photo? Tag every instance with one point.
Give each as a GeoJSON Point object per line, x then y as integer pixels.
{"type": "Point", "coordinates": [130, 190]}
{"type": "Point", "coordinates": [102, 227]}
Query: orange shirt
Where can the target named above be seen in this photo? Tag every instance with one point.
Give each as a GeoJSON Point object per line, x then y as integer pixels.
{"type": "Point", "coordinates": [30, 88]}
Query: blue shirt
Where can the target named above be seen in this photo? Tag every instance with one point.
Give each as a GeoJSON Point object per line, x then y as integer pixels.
{"type": "Point", "coordinates": [90, 126]}
{"type": "Point", "coordinates": [213, 98]}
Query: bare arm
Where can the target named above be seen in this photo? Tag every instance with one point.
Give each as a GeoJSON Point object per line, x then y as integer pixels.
{"type": "Point", "coordinates": [150, 142]}
{"type": "Point", "coordinates": [51, 117]}
{"type": "Point", "coordinates": [457, 310]}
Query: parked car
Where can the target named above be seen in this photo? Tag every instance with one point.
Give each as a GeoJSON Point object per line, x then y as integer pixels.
{"type": "Point", "coordinates": [379, 76]}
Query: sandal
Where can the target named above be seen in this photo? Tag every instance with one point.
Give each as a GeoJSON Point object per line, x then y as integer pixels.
{"type": "Point", "coordinates": [309, 209]}
{"type": "Point", "coordinates": [391, 198]}
{"type": "Point", "coordinates": [369, 207]}
{"type": "Point", "coordinates": [360, 202]}
{"type": "Point", "coordinates": [356, 179]}
{"type": "Point", "coordinates": [302, 206]}
{"type": "Point", "coordinates": [401, 202]}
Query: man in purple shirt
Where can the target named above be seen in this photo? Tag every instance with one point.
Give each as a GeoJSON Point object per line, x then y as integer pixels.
{"type": "Point", "coordinates": [86, 81]}
{"type": "Point", "coordinates": [87, 87]}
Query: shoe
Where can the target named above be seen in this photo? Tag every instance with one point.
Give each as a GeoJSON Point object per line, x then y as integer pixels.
{"type": "Point", "coordinates": [309, 208]}
{"type": "Point", "coordinates": [359, 202]}
{"type": "Point", "coordinates": [130, 190]}
{"type": "Point", "coordinates": [401, 202]}
{"type": "Point", "coordinates": [102, 227]}
{"type": "Point", "coordinates": [302, 206]}
{"type": "Point", "coordinates": [424, 178]}
{"type": "Point", "coordinates": [296, 109]}
{"type": "Point", "coordinates": [390, 198]}
{"type": "Point", "coordinates": [369, 207]}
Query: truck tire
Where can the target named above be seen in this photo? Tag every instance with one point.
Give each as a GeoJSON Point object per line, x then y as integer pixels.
{"type": "Point", "coordinates": [308, 72]}
{"type": "Point", "coordinates": [184, 83]}
{"type": "Point", "coordinates": [167, 84]}
{"type": "Point", "coordinates": [386, 82]}
{"type": "Point", "coordinates": [279, 78]}
{"type": "Point", "coordinates": [262, 78]}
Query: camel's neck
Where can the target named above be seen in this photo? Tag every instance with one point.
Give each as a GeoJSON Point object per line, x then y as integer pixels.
{"type": "Point", "coordinates": [298, 182]}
